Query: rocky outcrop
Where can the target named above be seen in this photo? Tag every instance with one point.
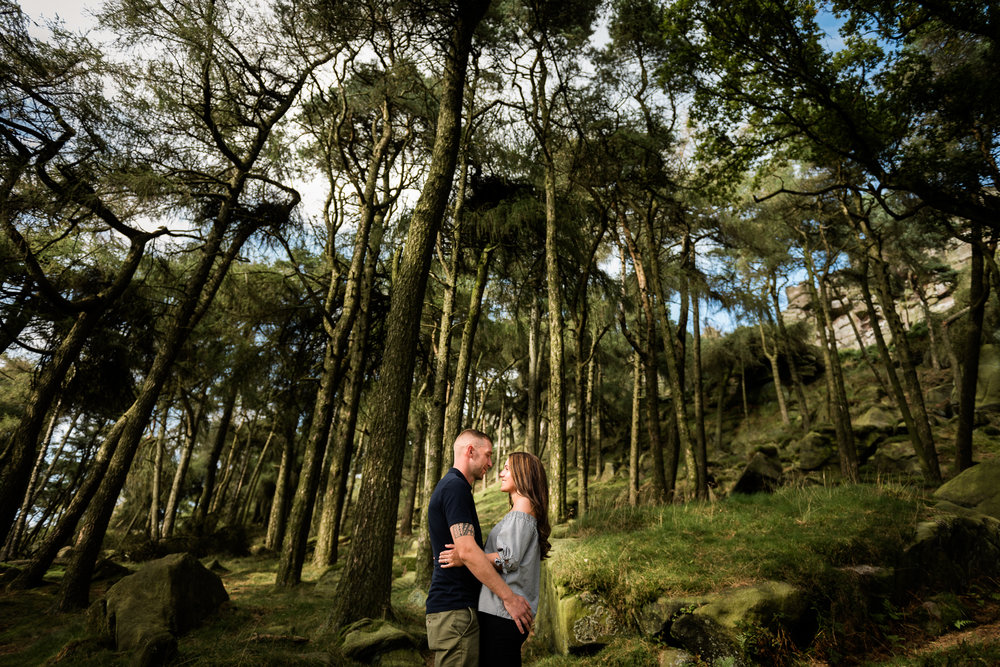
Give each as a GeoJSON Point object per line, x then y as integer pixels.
{"type": "Point", "coordinates": [570, 622]}
{"type": "Point", "coordinates": [714, 627]}
{"type": "Point", "coordinates": [848, 304]}
{"type": "Point", "coordinates": [145, 612]}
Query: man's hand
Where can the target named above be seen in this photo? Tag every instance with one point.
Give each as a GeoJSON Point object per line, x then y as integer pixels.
{"type": "Point", "coordinates": [449, 557]}
{"type": "Point", "coordinates": [520, 611]}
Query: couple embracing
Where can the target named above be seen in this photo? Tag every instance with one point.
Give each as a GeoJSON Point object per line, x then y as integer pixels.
{"type": "Point", "coordinates": [483, 599]}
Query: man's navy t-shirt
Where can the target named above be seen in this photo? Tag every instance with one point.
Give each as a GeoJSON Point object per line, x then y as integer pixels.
{"type": "Point", "coordinates": [451, 503]}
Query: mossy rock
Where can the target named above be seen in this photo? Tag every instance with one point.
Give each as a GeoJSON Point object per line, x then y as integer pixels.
{"type": "Point", "coordinates": [572, 621]}
{"type": "Point", "coordinates": [654, 618]}
{"type": "Point", "coordinates": [767, 604]}
{"type": "Point", "coordinates": [368, 639]}
{"type": "Point", "coordinates": [974, 486]}
{"type": "Point", "coordinates": [144, 612]}
{"type": "Point", "coordinates": [877, 418]}
{"type": "Point", "coordinates": [815, 450]}
{"type": "Point", "coordinates": [950, 553]}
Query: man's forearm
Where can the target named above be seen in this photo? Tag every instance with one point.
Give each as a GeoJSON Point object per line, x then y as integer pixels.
{"type": "Point", "coordinates": [479, 564]}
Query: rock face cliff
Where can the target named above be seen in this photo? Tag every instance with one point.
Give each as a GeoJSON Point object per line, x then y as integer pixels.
{"type": "Point", "coordinates": [850, 316]}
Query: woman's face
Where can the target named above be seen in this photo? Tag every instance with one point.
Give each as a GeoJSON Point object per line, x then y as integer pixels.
{"type": "Point", "coordinates": [507, 479]}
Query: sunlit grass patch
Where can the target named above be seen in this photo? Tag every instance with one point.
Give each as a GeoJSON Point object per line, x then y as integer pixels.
{"type": "Point", "coordinates": [632, 555]}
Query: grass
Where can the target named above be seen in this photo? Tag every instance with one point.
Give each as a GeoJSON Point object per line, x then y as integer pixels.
{"type": "Point", "coordinates": [632, 555]}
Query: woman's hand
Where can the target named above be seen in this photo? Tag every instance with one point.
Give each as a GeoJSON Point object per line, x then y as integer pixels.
{"type": "Point", "coordinates": [449, 557]}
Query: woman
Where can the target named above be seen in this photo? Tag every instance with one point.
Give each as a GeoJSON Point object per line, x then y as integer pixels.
{"type": "Point", "coordinates": [516, 546]}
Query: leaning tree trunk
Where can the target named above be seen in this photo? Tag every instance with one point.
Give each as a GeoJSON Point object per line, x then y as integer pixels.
{"type": "Point", "coordinates": [913, 396]}
{"type": "Point", "coordinates": [12, 545]}
{"type": "Point", "coordinates": [365, 584]}
{"type": "Point", "coordinates": [293, 552]}
{"type": "Point", "coordinates": [772, 357]}
{"type": "Point", "coordinates": [21, 449]}
{"type": "Point", "coordinates": [277, 521]}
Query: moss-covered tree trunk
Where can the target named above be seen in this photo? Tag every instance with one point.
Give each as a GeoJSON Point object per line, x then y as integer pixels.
{"type": "Point", "coordinates": [435, 447]}
{"type": "Point", "coordinates": [365, 583]}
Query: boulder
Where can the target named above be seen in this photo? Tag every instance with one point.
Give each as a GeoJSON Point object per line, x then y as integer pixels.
{"type": "Point", "coordinates": [815, 450]}
{"type": "Point", "coordinates": [717, 630]}
{"type": "Point", "coordinates": [763, 473]}
{"type": "Point", "coordinates": [110, 571]}
{"type": "Point", "coordinates": [376, 641]}
{"type": "Point", "coordinates": [895, 458]}
{"type": "Point", "coordinates": [877, 418]}
{"type": "Point", "coordinates": [144, 612]}
{"type": "Point", "coordinates": [977, 488]}
{"type": "Point", "coordinates": [706, 639]}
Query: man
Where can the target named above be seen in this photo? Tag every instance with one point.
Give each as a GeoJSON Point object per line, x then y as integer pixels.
{"type": "Point", "coordinates": [452, 626]}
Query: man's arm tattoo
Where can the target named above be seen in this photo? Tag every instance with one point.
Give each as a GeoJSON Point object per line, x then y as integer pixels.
{"type": "Point", "coordinates": [460, 529]}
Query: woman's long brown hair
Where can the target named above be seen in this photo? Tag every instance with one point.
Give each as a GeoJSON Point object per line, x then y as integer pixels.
{"type": "Point", "coordinates": [532, 483]}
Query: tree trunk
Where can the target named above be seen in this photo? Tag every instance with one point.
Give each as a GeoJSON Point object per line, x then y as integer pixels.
{"type": "Point", "coordinates": [277, 521]}
{"type": "Point", "coordinates": [416, 468]}
{"type": "Point", "coordinates": [255, 477]}
{"type": "Point", "coordinates": [532, 427]}
{"type": "Point", "coordinates": [772, 357]}
{"type": "Point", "coordinates": [837, 404]}
{"type": "Point", "coordinates": [192, 424]}
{"type": "Point", "coordinates": [21, 449]}
{"type": "Point", "coordinates": [700, 441]}
{"type": "Point", "coordinates": [647, 343]}
{"type": "Point", "coordinates": [846, 447]}
{"type": "Point", "coordinates": [13, 543]}
{"type": "Point", "coordinates": [200, 516]}
{"type": "Point", "coordinates": [436, 411]}
{"type": "Point", "coordinates": [786, 346]}
{"type": "Point", "coordinates": [159, 444]}
{"type": "Point", "coordinates": [456, 402]}
{"type": "Point", "coordinates": [598, 424]}
{"type": "Point", "coordinates": [979, 290]}
{"type": "Point", "coordinates": [219, 497]}
{"type": "Point", "coordinates": [365, 583]}
{"type": "Point", "coordinates": [293, 552]}
{"type": "Point", "coordinates": [914, 395]}
{"type": "Point", "coordinates": [634, 434]}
